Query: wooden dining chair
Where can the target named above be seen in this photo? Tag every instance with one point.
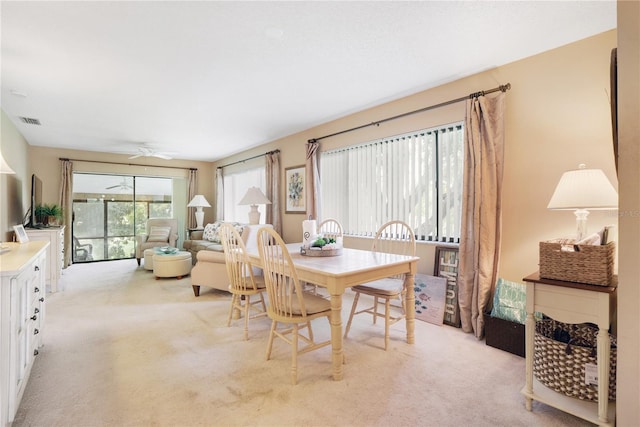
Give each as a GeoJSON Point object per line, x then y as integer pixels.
{"type": "Point", "coordinates": [327, 228]}
{"type": "Point", "coordinates": [243, 283]}
{"type": "Point", "coordinates": [393, 237]}
{"type": "Point", "coordinates": [289, 307]}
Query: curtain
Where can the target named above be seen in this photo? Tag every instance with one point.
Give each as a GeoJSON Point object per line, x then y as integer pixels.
{"type": "Point", "coordinates": [219, 195]}
{"type": "Point", "coordinates": [273, 190]}
{"type": "Point", "coordinates": [193, 190]}
{"type": "Point", "coordinates": [613, 77]}
{"type": "Point", "coordinates": [481, 209]}
{"type": "Point", "coordinates": [312, 181]}
{"type": "Point", "coordinates": [66, 202]}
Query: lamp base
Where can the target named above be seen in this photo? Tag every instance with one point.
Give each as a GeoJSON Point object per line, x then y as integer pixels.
{"type": "Point", "coordinates": [581, 223]}
{"type": "Point", "coordinates": [254, 215]}
{"type": "Point", "coordinates": [199, 218]}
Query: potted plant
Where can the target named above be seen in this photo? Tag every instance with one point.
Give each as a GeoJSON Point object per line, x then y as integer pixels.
{"type": "Point", "coordinates": [48, 214]}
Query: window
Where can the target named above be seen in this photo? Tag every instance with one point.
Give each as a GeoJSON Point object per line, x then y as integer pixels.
{"type": "Point", "coordinates": [416, 178]}
{"type": "Point", "coordinates": [236, 185]}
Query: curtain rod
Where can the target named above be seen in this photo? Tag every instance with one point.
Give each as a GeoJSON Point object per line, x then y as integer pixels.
{"type": "Point", "coordinates": [126, 164]}
{"type": "Point", "coordinates": [250, 158]}
{"type": "Point", "coordinates": [501, 88]}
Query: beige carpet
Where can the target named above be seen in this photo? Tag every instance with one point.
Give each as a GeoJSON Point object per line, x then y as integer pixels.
{"type": "Point", "coordinates": [123, 349]}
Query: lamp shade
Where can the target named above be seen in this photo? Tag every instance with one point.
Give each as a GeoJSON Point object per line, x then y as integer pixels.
{"type": "Point", "coordinates": [198, 201]}
{"type": "Point", "coordinates": [254, 197]}
{"type": "Point", "coordinates": [584, 189]}
{"type": "Point", "coordinates": [4, 167]}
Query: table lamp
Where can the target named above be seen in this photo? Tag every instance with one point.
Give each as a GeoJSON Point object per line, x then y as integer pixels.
{"type": "Point", "coordinates": [254, 197]}
{"type": "Point", "coordinates": [582, 190]}
{"type": "Point", "coordinates": [199, 202]}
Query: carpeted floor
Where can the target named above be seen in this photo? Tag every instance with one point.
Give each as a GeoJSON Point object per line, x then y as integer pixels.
{"type": "Point", "coordinates": [123, 349]}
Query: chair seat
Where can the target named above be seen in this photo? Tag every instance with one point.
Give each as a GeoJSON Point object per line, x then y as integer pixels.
{"type": "Point", "coordinates": [385, 287]}
{"type": "Point", "coordinates": [313, 303]}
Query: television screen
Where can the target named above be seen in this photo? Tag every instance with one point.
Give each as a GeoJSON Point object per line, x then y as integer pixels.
{"type": "Point", "coordinates": [36, 199]}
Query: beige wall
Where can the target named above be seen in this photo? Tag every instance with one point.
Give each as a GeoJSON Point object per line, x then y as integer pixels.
{"type": "Point", "coordinates": [557, 116]}
{"type": "Point", "coordinates": [15, 190]}
{"type": "Point", "coordinates": [628, 393]}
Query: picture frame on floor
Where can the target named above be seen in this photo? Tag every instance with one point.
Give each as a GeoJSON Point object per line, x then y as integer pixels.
{"type": "Point", "coordinates": [446, 265]}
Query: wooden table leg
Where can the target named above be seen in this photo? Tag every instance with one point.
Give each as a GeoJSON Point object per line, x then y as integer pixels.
{"type": "Point", "coordinates": [336, 336]}
{"type": "Point", "coordinates": [410, 308]}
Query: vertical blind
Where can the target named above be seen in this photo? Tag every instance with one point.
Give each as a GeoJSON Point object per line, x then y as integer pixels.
{"type": "Point", "coordinates": [415, 177]}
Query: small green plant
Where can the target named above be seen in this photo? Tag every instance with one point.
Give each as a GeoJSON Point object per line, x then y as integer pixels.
{"type": "Point", "coordinates": [47, 213]}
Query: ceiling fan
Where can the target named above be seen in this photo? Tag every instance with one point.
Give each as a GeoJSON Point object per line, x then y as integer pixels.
{"type": "Point", "coordinates": [124, 185]}
{"type": "Point", "coordinates": [146, 151]}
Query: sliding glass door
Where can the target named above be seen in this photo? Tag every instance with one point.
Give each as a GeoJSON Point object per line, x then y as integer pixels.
{"type": "Point", "coordinates": [110, 210]}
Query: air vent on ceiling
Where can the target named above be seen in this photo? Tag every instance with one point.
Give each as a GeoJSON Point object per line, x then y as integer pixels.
{"type": "Point", "coordinates": [30, 121]}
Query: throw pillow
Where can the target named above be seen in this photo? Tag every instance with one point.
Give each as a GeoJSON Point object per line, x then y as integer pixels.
{"type": "Point", "coordinates": [210, 232]}
{"type": "Point", "coordinates": [159, 234]}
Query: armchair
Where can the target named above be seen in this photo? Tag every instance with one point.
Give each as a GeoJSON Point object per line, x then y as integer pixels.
{"type": "Point", "coordinates": [159, 232]}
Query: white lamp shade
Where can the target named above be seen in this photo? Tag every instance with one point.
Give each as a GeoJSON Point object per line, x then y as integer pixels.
{"type": "Point", "coordinates": [4, 167]}
{"type": "Point", "coordinates": [584, 189]}
{"type": "Point", "coordinates": [198, 201]}
{"type": "Point", "coordinates": [254, 197]}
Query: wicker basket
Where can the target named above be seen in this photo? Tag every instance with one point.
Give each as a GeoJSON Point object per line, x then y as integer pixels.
{"type": "Point", "coordinates": [592, 264]}
{"type": "Point", "coordinates": [561, 365]}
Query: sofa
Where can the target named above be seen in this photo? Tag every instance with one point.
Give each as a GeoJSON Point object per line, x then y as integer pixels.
{"type": "Point", "coordinates": [207, 254]}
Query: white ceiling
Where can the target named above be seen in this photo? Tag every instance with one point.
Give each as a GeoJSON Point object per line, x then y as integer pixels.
{"type": "Point", "coordinates": [207, 79]}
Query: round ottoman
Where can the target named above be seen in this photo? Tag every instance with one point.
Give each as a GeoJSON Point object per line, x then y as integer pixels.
{"type": "Point", "coordinates": [172, 265]}
{"type": "Point", "coordinates": [148, 259]}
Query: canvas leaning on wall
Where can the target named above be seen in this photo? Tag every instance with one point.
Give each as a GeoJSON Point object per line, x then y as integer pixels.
{"type": "Point", "coordinates": [430, 298]}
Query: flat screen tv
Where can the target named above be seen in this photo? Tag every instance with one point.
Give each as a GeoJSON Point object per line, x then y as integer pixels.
{"type": "Point", "coordinates": [36, 200]}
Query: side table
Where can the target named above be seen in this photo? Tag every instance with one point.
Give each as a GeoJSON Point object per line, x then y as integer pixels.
{"type": "Point", "coordinates": [570, 302]}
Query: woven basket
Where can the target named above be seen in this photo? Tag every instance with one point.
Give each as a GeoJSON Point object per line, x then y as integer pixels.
{"type": "Point", "coordinates": [565, 373]}
{"type": "Point", "coordinates": [592, 264]}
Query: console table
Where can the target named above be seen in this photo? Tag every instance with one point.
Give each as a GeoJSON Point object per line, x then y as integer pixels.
{"type": "Point", "coordinates": [570, 302]}
{"type": "Point", "coordinates": [55, 252]}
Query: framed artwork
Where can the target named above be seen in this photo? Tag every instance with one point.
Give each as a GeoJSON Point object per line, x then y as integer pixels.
{"type": "Point", "coordinates": [431, 293]}
{"type": "Point", "coordinates": [21, 235]}
{"type": "Point", "coordinates": [446, 265]}
{"type": "Point", "coordinates": [295, 188]}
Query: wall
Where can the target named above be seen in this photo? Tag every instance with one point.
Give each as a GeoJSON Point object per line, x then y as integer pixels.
{"type": "Point", "coordinates": [557, 116]}
{"type": "Point", "coordinates": [628, 392]}
{"type": "Point", "coordinates": [15, 190]}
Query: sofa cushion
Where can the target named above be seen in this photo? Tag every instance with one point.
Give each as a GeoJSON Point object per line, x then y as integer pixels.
{"type": "Point", "coordinates": [159, 234]}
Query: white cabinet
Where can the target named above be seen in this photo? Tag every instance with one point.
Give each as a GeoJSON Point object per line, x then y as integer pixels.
{"type": "Point", "coordinates": [55, 237]}
{"type": "Point", "coordinates": [22, 311]}
{"type": "Point", "coordinates": [570, 302]}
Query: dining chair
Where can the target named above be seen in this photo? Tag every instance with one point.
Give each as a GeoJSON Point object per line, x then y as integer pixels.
{"type": "Point", "coordinates": [328, 228]}
{"type": "Point", "coordinates": [290, 309]}
{"type": "Point", "coordinates": [393, 237]}
{"type": "Point", "coordinates": [243, 282]}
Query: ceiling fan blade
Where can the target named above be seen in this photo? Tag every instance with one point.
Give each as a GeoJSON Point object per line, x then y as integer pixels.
{"type": "Point", "coordinates": [136, 156]}
{"type": "Point", "coordinates": [113, 186]}
{"type": "Point", "coordinates": [161, 156]}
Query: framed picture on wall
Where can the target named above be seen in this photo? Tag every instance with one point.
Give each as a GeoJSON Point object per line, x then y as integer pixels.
{"type": "Point", "coordinates": [21, 235]}
{"type": "Point", "coordinates": [295, 187]}
{"type": "Point", "coordinates": [446, 265]}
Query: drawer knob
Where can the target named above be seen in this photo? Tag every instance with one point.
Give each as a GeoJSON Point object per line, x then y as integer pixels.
{"type": "Point", "coordinates": [34, 317]}
{"type": "Point", "coordinates": [35, 352]}
{"type": "Point", "coordinates": [36, 332]}
{"type": "Point", "coordinates": [41, 299]}
{"type": "Point", "coordinates": [37, 310]}
{"type": "Point", "coordinates": [36, 290]}
{"type": "Point", "coordinates": [37, 268]}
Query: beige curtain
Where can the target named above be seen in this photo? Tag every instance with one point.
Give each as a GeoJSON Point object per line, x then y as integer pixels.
{"type": "Point", "coordinates": [219, 195]}
{"type": "Point", "coordinates": [66, 202]}
{"type": "Point", "coordinates": [613, 77]}
{"type": "Point", "coordinates": [481, 209]}
{"type": "Point", "coordinates": [193, 190]}
{"type": "Point", "coordinates": [312, 181]}
{"type": "Point", "coordinates": [272, 169]}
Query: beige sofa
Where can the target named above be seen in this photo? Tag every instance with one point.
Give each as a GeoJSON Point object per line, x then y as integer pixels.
{"type": "Point", "coordinates": [209, 269]}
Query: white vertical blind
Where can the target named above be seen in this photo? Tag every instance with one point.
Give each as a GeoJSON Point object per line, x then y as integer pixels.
{"type": "Point", "coordinates": [235, 187]}
{"type": "Point", "coordinates": [416, 178]}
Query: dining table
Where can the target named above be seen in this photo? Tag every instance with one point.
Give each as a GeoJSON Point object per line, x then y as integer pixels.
{"type": "Point", "coordinates": [350, 268]}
